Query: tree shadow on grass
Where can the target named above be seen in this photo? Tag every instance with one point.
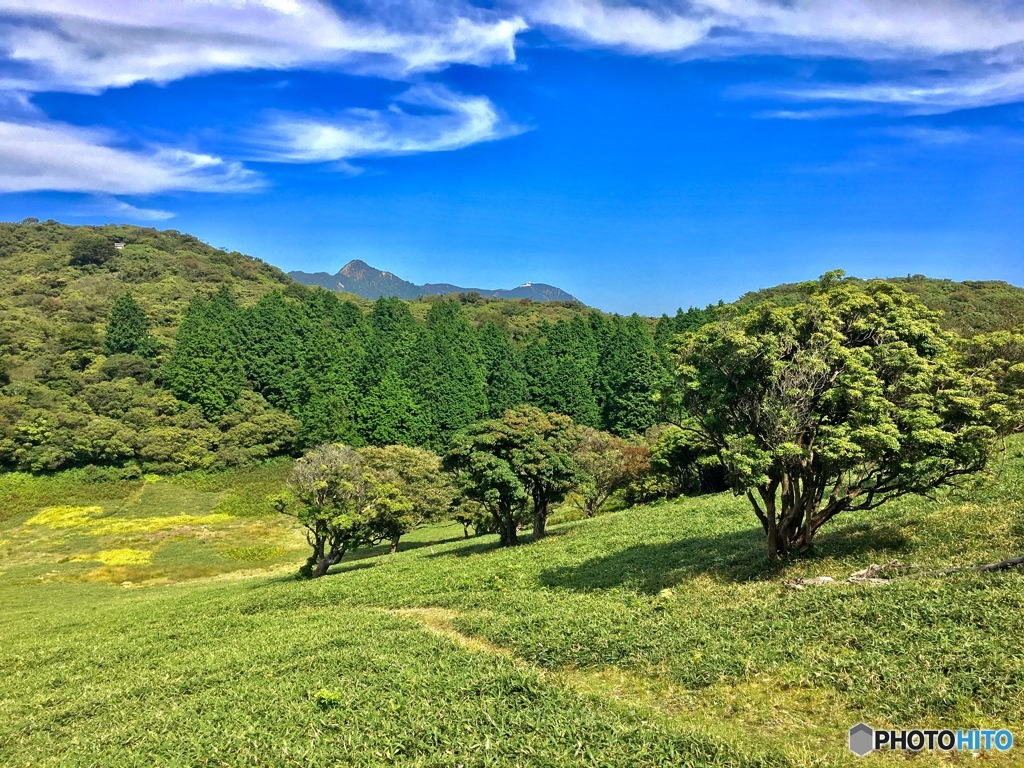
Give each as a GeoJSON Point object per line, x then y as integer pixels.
{"type": "Point", "coordinates": [403, 546]}
{"type": "Point", "coordinates": [347, 566]}
{"type": "Point", "coordinates": [468, 549]}
{"type": "Point", "coordinates": [739, 556]}
{"type": "Point", "coordinates": [862, 538]}
{"type": "Point", "coordinates": [492, 544]}
{"type": "Point", "coordinates": [368, 557]}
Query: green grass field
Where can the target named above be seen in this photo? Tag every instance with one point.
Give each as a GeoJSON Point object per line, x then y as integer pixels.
{"type": "Point", "coordinates": [156, 622]}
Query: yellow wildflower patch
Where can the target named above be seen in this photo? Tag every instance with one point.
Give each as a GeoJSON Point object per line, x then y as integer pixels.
{"type": "Point", "coordinates": [124, 557]}
{"type": "Point", "coordinates": [116, 557]}
{"type": "Point", "coordinates": [88, 518]}
{"type": "Point", "coordinates": [65, 517]}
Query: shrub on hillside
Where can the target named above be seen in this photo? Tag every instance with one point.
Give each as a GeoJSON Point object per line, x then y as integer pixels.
{"type": "Point", "coordinates": [89, 248]}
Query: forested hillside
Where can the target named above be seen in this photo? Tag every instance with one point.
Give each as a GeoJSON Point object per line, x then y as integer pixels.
{"type": "Point", "coordinates": [968, 308]}
{"type": "Point", "coordinates": [151, 351]}
{"type": "Point", "coordinates": [168, 354]}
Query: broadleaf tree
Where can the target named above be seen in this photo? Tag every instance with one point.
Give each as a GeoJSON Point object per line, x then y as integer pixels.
{"type": "Point", "coordinates": [840, 403]}
{"type": "Point", "coordinates": [328, 493]}
{"type": "Point", "coordinates": [607, 463]}
{"type": "Point", "coordinates": [506, 463]}
{"type": "Point", "coordinates": [421, 491]}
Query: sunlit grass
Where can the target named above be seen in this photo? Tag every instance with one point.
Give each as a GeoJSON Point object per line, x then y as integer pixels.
{"type": "Point", "coordinates": [659, 635]}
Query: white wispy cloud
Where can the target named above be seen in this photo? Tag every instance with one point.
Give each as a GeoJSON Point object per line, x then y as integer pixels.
{"type": "Point", "coordinates": [133, 212]}
{"type": "Point", "coordinates": [92, 45]}
{"type": "Point", "coordinates": [923, 57]}
{"type": "Point", "coordinates": [974, 85]}
{"type": "Point", "coordinates": [105, 205]}
{"type": "Point", "coordinates": [862, 28]}
{"type": "Point", "coordinates": [424, 119]}
{"type": "Point", "coordinates": [52, 156]}
{"type": "Point", "coordinates": [873, 28]}
{"type": "Point", "coordinates": [89, 46]}
{"type": "Point", "coordinates": [635, 28]}
{"type": "Point", "coordinates": [951, 54]}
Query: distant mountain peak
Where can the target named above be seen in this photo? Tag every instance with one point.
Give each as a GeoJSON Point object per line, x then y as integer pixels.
{"type": "Point", "coordinates": [360, 278]}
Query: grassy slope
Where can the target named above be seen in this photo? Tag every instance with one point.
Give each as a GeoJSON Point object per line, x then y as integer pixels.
{"type": "Point", "coordinates": [653, 636]}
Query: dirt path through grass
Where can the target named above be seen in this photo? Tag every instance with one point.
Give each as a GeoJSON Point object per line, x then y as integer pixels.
{"type": "Point", "coordinates": [806, 723]}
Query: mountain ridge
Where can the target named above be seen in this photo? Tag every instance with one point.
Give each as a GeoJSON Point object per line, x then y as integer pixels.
{"type": "Point", "coordinates": [368, 282]}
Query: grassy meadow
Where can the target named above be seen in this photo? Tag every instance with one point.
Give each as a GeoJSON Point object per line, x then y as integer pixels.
{"type": "Point", "coordinates": [157, 622]}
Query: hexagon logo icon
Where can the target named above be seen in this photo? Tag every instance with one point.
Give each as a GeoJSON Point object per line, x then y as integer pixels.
{"type": "Point", "coordinates": [862, 739]}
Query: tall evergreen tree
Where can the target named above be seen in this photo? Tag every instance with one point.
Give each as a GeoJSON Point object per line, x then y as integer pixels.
{"type": "Point", "coordinates": [387, 410]}
{"type": "Point", "coordinates": [504, 370]}
{"type": "Point", "coordinates": [631, 373]}
{"type": "Point", "coordinates": [128, 329]}
{"type": "Point", "coordinates": [539, 367]}
{"type": "Point", "coordinates": [668, 328]}
{"type": "Point", "coordinates": [325, 307]}
{"type": "Point", "coordinates": [393, 327]}
{"type": "Point", "coordinates": [448, 373]}
{"type": "Point", "coordinates": [206, 366]}
{"type": "Point", "coordinates": [561, 368]}
{"type": "Point", "coordinates": [332, 359]}
{"type": "Point", "coordinates": [585, 348]}
{"type": "Point", "coordinates": [389, 414]}
{"type": "Point", "coordinates": [275, 330]}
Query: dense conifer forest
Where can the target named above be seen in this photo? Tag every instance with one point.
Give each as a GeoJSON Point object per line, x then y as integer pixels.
{"type": "Point", "coordinates": [149, 351]}
{"type": "Point", "coordinates": [168, 355]}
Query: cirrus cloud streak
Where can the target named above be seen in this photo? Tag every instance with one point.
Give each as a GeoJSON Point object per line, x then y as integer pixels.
{"type": "Point", "coordinates": [91, 45]}
{"type": "Point", "coordinates": [423, 119]}
{"type": "Point", "coordinates": [59, 157]}
{"type": "Point", "coordinates": [947, 54]}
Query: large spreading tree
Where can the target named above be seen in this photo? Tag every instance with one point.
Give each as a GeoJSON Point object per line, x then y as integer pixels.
{"type": "Point", "coordinates": [848, 399]}
{"type": "Point", "coordinates": [525, 456]}
{"type": "Point", "coordinates": [330, 494]}
{"type": "Point", "coordinates": [348, 498]}
{"type": "Point", "coordinates": [419, 490]}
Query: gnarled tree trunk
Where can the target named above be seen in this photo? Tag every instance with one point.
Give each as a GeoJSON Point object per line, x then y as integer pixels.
{"type": "Point", "coordinates": [540, 523]}
{"type": "Point", "coordinates": [540, 513]}
{"type": "Point", "coordinates": [324, 563]}
{"type": "Point", "coordinates": [505, 521]}
{"type": "Point", "coordinates": [793, 507]}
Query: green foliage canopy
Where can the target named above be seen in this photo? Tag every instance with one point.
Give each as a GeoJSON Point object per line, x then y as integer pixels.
{"type": "Point", "coordinates": [206, 367]}
{"type": "Point", "coordinates": [419, 490]}
{"type": "Point", "coordinates": [89, 248]}
{"type": "Point", "coordinates": [839, 403]}
{"type": "Point", "coordinates": [607, 464]}
{"type": "Point", "coordinates": [505, 463]}
{"type": "Point", "coordinates": [128, 329]}
{"type": "Point", "coordinates": [330, 496]}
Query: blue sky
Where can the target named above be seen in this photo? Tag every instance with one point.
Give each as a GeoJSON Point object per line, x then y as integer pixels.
{"type": "Point", "coordinates": [641, 155]}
